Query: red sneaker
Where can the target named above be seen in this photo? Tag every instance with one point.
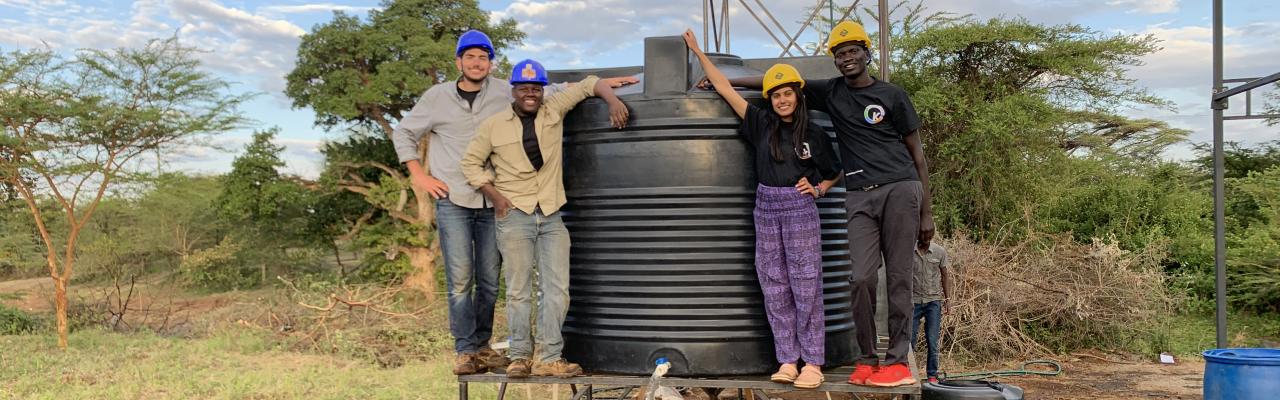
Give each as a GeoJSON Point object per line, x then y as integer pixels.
{"type": "Point", "coordinates": [891, 375]}
{"type": "Point", "coordinates": [933, 380]}
{"type": "Point", "coordinates": [861, 372]}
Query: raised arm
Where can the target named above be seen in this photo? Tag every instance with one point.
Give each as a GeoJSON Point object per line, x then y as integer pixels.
{"type": "Point", "coordinates": [722, 84]}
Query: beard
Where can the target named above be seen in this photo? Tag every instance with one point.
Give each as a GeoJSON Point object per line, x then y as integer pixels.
{"type": "Point", "coordinates": [475, 81]}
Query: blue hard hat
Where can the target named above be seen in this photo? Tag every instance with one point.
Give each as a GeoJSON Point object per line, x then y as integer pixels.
{"type": "Point", "coordinates": [529, 71]}
{"type": "Point", "coordinates": [474, 38]}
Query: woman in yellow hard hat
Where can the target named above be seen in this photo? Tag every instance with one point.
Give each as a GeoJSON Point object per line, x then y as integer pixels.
{"type": "Point", "coordinates": [791, 154]}
{"type": "Point", "coordinates": [887, 199]}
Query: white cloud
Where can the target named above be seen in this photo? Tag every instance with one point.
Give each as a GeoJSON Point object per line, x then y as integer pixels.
{"type": "Point", "coordinates": [1146, 6]}
{"type": "Point", "coordinates": [1182, 72]}
{"type": "Point", "coordinates": [309, 8]}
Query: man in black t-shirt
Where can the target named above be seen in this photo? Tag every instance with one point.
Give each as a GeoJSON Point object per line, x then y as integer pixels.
{"type": "Point", "coordinates": [888, 198]}
{"type": "Point", "coordinates": [887, 182]}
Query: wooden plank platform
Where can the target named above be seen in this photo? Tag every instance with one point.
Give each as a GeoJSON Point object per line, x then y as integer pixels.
{"type": "Point", "coordinates": [836, 381]}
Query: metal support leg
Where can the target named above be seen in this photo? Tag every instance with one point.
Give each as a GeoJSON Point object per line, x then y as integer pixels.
{"type": "Point", "coordinates": [462, 391]}
{"type": "Point", "coordinates": [502, 390]}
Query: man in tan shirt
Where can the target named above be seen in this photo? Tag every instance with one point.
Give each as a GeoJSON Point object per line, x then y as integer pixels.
{"type": "Point", "coordinates": [523, 145]}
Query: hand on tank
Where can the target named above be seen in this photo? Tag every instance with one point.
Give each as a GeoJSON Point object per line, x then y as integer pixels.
{"type": "Point", "coordinates": [621, 81]}
{"type": "Point", "coordinates": [691, 40]}
{"type": "Point", "coordinates": [618, 113]}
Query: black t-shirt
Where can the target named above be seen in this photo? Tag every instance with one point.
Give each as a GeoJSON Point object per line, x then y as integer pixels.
{"type": "Point", "coordinates": [817, 163]}
{"type": "Point", "coordinates": [470, 97]}
{"type": "Point", "coordinates": [871, 124]}
{"type": "Point", "coordinates": [530, 140]}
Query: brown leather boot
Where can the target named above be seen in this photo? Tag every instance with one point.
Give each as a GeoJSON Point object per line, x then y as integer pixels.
{"type": "Point", "coordinates": [558, 368]}
{"type": "Point", "coordinates": [491, 359]}
{"type": "Point", "coordinates": [519, 368]}
{"type": "Point", "coordinates": [465, 364]}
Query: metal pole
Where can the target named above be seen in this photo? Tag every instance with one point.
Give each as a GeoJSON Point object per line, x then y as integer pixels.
{"type": "Point", "coordinates": [767, 30]}
{"type": "Point", "coordinates": [1219, 213]}
{"type": "Point", "coordinates": [883, 39]}
{"type": "Point", "coordinates": [804, 26]}
{"type": "Point", "coordinates": [726, 27]}
{"type": "Point", "coordinates": [706, 39]}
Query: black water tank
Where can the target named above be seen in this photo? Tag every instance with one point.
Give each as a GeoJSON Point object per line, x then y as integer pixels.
{"type": "Point", "coordinates": [660, 216]}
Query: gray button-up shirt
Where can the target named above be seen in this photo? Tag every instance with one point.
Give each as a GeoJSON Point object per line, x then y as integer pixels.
{"type": "Point", "coordinates": [926, 285]}
{"type": "Point", "coordinates": [442, 111]}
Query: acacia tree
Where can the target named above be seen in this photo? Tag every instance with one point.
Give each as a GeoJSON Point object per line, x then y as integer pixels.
{"type": "Point", "coordinates": [366, 74]}
{"type": "Point", "coordinates": [73, 128]}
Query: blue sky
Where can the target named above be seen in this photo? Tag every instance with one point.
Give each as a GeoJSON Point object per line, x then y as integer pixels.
{"type": "Point", "coordinates": [253, 44]}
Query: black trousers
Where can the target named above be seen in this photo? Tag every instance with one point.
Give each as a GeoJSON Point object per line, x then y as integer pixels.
{"type": "Point", "coordinates": [884, 223]}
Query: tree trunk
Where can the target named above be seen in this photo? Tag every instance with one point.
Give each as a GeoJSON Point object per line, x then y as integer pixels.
{"type": "Point", "coordinates": [60, 301]}
{"type": "Point", "coordinates": [423, 277]}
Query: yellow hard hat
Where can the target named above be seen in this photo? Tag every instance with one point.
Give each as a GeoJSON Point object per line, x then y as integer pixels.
{"type": "Point", "coordinates": [848, 31]}
{"type": "Point", "coordinates": [780, 74]}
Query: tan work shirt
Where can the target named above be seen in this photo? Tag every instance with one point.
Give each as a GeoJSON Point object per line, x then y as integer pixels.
{"type": "Point", "coordinates": [926, 285]}
{"type": "Point", "coordinates": [499, 140]}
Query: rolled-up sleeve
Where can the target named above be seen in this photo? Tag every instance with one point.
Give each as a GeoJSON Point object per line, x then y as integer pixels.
{"type": "Point", "coordinates": [409, 131]}
{"type": "Point", "coordinates": [477, 156]}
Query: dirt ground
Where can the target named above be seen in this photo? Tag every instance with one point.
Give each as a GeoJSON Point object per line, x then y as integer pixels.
{"type": "Point", "coordinates": [1081, 378]}
{"type": "Point", "coordinates": [1091, 379]}
{"type": "Point", "coordinates": [1084, 375]}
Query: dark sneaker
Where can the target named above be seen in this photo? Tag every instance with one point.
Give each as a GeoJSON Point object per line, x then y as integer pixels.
{"type": "Point", "coordinates": [491, 359]}
{"type": "Point", "coordinates": [558, 368]}
{"type": "Point", "coordinates": [465, 364]}
{"type": "Point", "coordinates": [519, 368]}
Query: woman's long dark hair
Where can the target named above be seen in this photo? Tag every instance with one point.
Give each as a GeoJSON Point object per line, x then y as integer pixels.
{"type": "Point", "coordinates": [799, 121]}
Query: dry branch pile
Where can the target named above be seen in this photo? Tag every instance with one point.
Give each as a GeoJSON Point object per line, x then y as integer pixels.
{"type": "Point", "coordinates": [1050, 295]}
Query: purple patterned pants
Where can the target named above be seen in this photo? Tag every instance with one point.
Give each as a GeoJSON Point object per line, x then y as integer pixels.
{"type": "Point", "coordinates": [789, 265]}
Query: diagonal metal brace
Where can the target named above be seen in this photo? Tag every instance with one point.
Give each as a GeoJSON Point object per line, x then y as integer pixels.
{"type": "Point", "coordinates": [1254, 84]}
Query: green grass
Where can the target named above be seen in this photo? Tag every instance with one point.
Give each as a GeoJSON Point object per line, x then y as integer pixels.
{"type": "Point", "coordinates": [1191, 334]}
{"type": "Point", "coordinates": [18, 295]}
{"type": "Point", "coordinates": [229, 365]}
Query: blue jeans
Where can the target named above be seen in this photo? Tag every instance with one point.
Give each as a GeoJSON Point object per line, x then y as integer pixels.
{"type": "Point", "coordinates": [529, 243]}
{"type": "Point", "coordinates": [471, 270]}
{"type": "Point", "coordinates": [932, 314]}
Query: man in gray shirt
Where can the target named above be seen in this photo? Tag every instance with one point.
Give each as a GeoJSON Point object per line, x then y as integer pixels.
{"type": "Point", "coordinates": [452, 111]}
{"type": "Point", "coordinates": [930, 289]}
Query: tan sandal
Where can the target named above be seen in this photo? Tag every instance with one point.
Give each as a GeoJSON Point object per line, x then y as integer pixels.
{"type": "Point", "coordinates": [810, 377]}
{"type": "Point", "coordinates": [786, 374]}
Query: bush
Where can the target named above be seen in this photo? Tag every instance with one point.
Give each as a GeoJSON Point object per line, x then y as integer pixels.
{"type": "Point", "coordinates": [219, 267]}
{"type": "Point", "coordinates": [16, 322]}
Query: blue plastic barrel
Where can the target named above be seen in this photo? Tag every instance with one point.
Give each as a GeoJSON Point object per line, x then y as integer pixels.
{"type": "Point", "coordinates": [1241, 374]}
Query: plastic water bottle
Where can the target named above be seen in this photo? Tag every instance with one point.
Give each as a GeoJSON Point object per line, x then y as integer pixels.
{"type": "Point", "coordinates": [655, 392]}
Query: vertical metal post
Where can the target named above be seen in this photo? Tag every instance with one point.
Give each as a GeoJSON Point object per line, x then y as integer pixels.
{"type": "Point", "coordinates": [1219, 213]}
{"type": "Point", "coordinates": [706, 38]}
{"type": "Point", "coordinates": [462, 391]}
{"type": "Point", "coordinates": [884, 40]}
{"type": "Point", "coordinates": [726, 27]}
